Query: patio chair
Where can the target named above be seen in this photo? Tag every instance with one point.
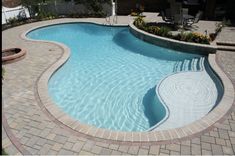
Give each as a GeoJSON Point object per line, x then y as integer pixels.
{"type": "Point", "coordinates": [178, 19]}
{"type": "Point", "coordinates": [189, 22]}
{"type": "Point", "coordinates": [166, 18]}
{"type": "Point", "coordinates": [22, 15]}
{"type": "Point", "coordinates": [176, 8]}
{"type": "Point", "coordinates": [185, 11]}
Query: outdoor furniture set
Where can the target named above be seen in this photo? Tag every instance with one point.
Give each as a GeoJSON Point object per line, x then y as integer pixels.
{"type": "Point", "coordinates": [178, 15]}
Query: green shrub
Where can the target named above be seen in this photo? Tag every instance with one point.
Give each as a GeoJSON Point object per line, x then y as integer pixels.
{"type": "Point", "coordinates": [140, 23]}
{"type": "Point", "coordinates": [12, 20]}
{"type": "Point", "coordinates": [43, 15]}
{"type": "Point", "coordinates": [200, 38]}
{"type": "Point", "coordinates": [165, 31]}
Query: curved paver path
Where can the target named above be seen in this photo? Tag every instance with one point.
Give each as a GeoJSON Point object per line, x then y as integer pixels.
{"type": "Point", "coordinates": [36, 132]}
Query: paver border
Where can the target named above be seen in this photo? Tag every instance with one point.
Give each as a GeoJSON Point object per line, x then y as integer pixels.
{"type": "Point", "coordinates": [194, 129]}
{"type": "Point", "coordinates": [12, 137]}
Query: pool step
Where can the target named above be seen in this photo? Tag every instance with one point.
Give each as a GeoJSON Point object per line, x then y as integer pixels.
{"type": "Point", "coordinates": [194, 64]}
{"type": "Point", "coordinates": [227, 43]}
{"type": "Point", "coordinates": [226, 48]}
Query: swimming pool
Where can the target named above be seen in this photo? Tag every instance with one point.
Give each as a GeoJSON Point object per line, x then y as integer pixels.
{"type": "Point", "coordinates": [110, 79]}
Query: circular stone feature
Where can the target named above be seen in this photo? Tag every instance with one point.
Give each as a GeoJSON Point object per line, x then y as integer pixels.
{"type": "Point", "coordinates": [12, 54]}
{"type": "Point", "coordinates": [189, 96]}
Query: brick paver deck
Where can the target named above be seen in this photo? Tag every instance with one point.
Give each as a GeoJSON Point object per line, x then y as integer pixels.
{"type": "Point", "coordinates": [33, 131]}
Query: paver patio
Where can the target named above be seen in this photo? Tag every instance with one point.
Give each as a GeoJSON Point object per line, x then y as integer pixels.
{"type": "Point", "coordinates": [30, 129]}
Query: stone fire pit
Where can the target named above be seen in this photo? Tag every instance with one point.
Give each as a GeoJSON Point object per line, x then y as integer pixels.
{"type": "Point", "coordinates": [12, 55]}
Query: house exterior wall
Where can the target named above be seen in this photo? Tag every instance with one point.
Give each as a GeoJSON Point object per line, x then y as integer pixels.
{"type": "Point", "coordinates": [66, 8]}
{"type": "Point", "coordinates": [124, 7]}
{"type": "Point", "coordinates": [11, 3]}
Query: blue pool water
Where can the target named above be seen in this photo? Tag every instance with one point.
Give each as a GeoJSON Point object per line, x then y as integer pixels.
{"type": "Point", "coordinates": [110, 78]}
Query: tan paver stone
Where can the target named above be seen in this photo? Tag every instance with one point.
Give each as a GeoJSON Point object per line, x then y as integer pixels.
{"type": "Point", "coordinates": [72, 139]}
{"type": "Point", "coordinates": [173, 147]}
{"type": "Point", "coordinates": [113, 146]}
{"type": "Point", "coordinates": [32, 150]}
{"type": "Point", "coordinates": [205, 152]}
{"type": "Point", "coordinates": [68, 145]}
{"type": "Point", "coordinates": [187, 142]}
{"type": "Point", "coordinates": [60, 139]}
{"type": "Point", "coordinates": [45, 132]}
{"type": "Point", "coordinates": [37, 147]}
{"type": "Point", "coordinates": [232, 140]}
{"type": "Point", "coordinates": [105, 151]}
{"type": "Point", "coordinates": [45, 149]}
{"type": "Point", "coordinates": [196, 149]}
{"type": "Point", "coordinates": [65, 152]}
{"type": "Point", "coordinates": [102, 144]}
{"type": "Point", "coordinates": [185, 150]}
{"type": "Point", "coordinates": [220, 141]}
{"type": "Point", "coordinates": [123, 148]}
{"type": "Point", "coordinates": [164, 151]}
{"type": "Point", "coordinates": [51, 136]}
{"type": "Point", "coordinates": [78, 146]}
{"type": "Point", "coordinates": [223, 134]}
{"type": "Point", "coordinates": [57, 146]}
{"type": "Point", "coordinates": [133, 149]}
{"type": "Point", "coordinates": [143, 151]}
{"type": "Point", "coordinates": [206, 146]}
{"type": "Point", "coordinates": [174, 153]}
{"type": "Point", "coordinates": [145, 147]}
{"type": "Point", "coordinates": [116, 152]}
{"type": "Point", "coordinates": [5, 142]}
{"type": "Point", "coordinates": [88, 145]}
{"type": "Point", "coordinates": [231, 134]}
{"type": "Point", "coordinates": [96, 149]}
{"type": "Point", "coordinates": [154, 149]}
{"type": "Point", "coordinates": [32, 141]}
{"type": "Point", "coordinates": [52, 152]}
{"type": "Point", "coordinates": [216, 149]}
{"type": "Point", "coordinates": [207, 139]}
{"type": "Point", "coordinates": [227, 150]}
{"type": "Point", "coordinates": [196, 141]}
{"type": "Point", "coordinates": [228, 143]}
{"type": "Point", "coordinates": [11, 149]}
{"type": "Point", "coordinates": [41, 141]}
{"type": "Point", "coordinates": [214, 134]}
{"type": "Point", "coordinates": [85, 153]}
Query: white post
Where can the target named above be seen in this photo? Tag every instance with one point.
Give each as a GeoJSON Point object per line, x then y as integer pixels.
{"type": "Point", "coordinates": [55, 7]}
{"type": "Point", "coordinates": [4, 14]}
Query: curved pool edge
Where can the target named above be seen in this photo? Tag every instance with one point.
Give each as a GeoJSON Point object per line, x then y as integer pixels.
{"type": "Point", "coordinates": [196, 128]}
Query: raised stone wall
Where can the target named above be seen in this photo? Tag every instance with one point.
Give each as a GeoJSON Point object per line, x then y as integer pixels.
{"type": "Point", "coordinates": [171, 43]}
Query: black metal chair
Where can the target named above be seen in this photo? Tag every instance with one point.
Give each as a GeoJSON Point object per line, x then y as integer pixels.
{"type": "Point", "coordinates": [166, 18]}
{"type": "Point", "coordinates": [191, 21]}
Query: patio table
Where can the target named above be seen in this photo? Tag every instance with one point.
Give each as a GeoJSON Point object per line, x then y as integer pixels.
{"type": "Point", "coordinates": [186, 18]}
